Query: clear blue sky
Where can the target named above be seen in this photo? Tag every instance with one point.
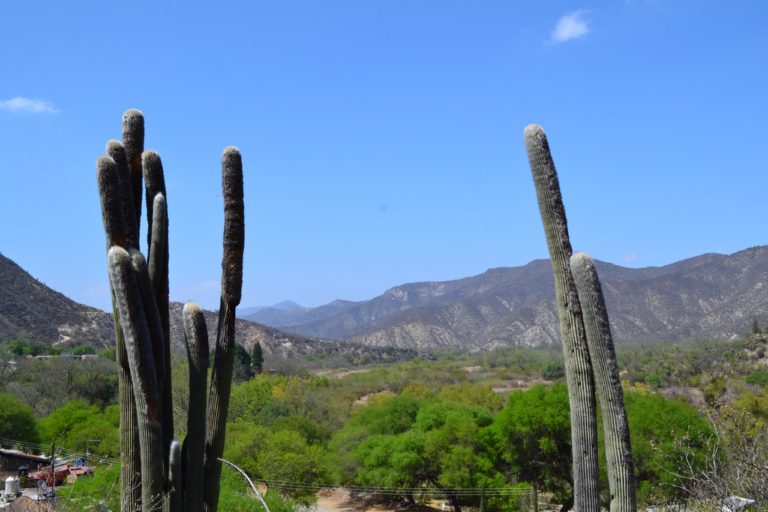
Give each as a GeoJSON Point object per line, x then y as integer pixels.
{"type": "Point", "coordinates": [382, 140]}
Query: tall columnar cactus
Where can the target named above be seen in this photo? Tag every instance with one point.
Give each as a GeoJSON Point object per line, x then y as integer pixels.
{"type": "Point", "coordinates": [156, 472]}
{"type": "Point", "coordinates": [121, 230]}
{"type": "Point", "coordinates": [618, 452]}
{"type": "Point", "coordinates": [196, 335]}
{"type": "Point", "coordinates": [231, 284]}
{"type": "Point", "coordinates": [578, 366]}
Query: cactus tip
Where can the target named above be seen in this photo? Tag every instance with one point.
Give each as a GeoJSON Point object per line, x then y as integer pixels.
{"type": "Point", "coordinates": [149, 155]}
{"type": "Point", "coordinates": [114, 145]}
{"type": "Point", "coordinates": [230, 150]}
{"type": "Point", "coordinates": [533, 130]}
{"type": "Point", "coordinates": [118, 255]}
{"type": "Point", "coordinates": [191, 308]}
{"type": "Point", "coordinates": [581, 260]}
{"type": "Point", "coordinates": [133, 113]}
{"type": "Point", "coordinates": [104, 161]}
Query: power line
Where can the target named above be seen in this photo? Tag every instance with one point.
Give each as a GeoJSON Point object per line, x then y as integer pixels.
{"type": "Point", "coordinates": [60, 450]}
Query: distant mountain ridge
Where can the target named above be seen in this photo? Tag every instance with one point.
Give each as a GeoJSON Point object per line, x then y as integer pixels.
{"type": "Point", "coordinates": [707, 296]}
{"type": "Point", "coordinates": [32, 311]}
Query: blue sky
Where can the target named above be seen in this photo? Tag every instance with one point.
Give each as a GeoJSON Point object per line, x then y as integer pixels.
{"type": "Point", "coordinates": [382, 140]}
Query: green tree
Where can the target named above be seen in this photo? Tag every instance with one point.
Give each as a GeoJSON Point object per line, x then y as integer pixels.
{"type": "Point", "coordinates": [242, 370]}
{"type": "Point", "coordinates": [472, 393]}
{"type": "Point", "coordinates": [257, 358]}
{"type": "Point", "coordinates": [78, 426]}
{"type": "Point", "coordinates": [553, 370]}
{"type": "Point", "coordinates": [407, 443]}
{"type": "Point", "coordinates": [664, 434]}
{"type": "Point", "coordinates": [279, 457]}
{"type": "Point", "coordinates": [533, 436]}
{"type": "Point", "coordinates": [16, 421]}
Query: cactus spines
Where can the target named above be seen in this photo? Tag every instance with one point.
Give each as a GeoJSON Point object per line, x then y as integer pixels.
{"type": "Point", "coordinates": [175, 484]}
{"type": "Point", "coordinates": [113, 216]}
{"type": "Point", "coordinates": [116, 151]}
{"type": "Point", "coordinates": [618, 452]}
{"type": "Point", "coordinates": [234, 225]}
{"type": "Point", "coordinates": [133, 141]}
{"type": "Point", "coordinates": [138, 346]}
{"type": "Point", "coordinates": [231, 284]}
{"type": "Point", "coordinates": [156, 472]}
{"type": "Point", "coordinates": [196, 336]}
{"type": "Point", "coordinates": [108, 182]}
{"type": "Point", "coordinates": [578, 367]}
{"type": "Point", "coordinates": [158, 276]}
{"type": "Point", "coordinates": [154, 182]}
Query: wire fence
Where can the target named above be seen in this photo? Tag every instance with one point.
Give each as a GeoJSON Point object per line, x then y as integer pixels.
{"type": "Point", "coordinates": [422, 492]}
{"type": "Point", "coordinates": [61, 451]}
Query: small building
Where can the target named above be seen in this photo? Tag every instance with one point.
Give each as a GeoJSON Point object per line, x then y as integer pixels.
{"type": "Point", "coordinates": [12, 460]}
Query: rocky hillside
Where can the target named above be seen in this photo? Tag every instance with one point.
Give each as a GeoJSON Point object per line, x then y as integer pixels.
{"type": "Point", "coordinates": [30, 310]}
{"type": "Point", "coordinates": [708, 296]}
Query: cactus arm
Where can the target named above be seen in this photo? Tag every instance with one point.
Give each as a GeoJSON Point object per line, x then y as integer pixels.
{"type": "Point", "coordinates": [578, 367]}
{"type": "Point", "coordinates": [116, 151]}
{"type": "Point", "coordinates": [196, 336]}
{"type": "Point", "coordinates": [107, 178]}
{"type": "Point", "coordinates": [232, 280]}
{"type": "Point", "coordinates": [174, 478]}
{"type": "Point", "coordinates": [158, 276]}
{"type": "Point", "coordinates": [138, 346]}
{"type": "Point", "coordinates": [157, 249]}
{"type": "Point", "coordinates": [234, 226]}
{"type": "Point", "coordinates": [154, 183]}
{"type": "Point", "coordinates": [133, 141]}
{"type": "Point", "coordinates": [618, 452]}
{"type": "Point", "coordinates": [153, 323]}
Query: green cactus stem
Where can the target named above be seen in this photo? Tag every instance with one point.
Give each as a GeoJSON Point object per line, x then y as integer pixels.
{"type": "Point", "coordinates": [196, 337]}
{"type": "Point", "coordinates": [154, 182]}
{"type": "Point", "coordinates": [578, 367]}
{"type": "Point", "coordinates": [158, 276]}
{"type": "Point", "coordinates": [231, 284]}
{"type": "Point", "coordinates": [133, 142]}
{"type": "Point", "coordinates": [618, 452]}
{"type": "Point", "coordinates": [116, 151]}
{"type": "Point", "coordinates": [157, 251]}
{"type": "Point", "coordinates": [123, 267]}
{"type": "Point", "coordinates": [108, 179]}
{"type": "Point", "coordinates": [175, 484]}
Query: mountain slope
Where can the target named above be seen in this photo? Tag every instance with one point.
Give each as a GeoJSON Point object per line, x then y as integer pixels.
{"type": "Point", "coordinates": [30, 310]}
{"type": "Point", "coordinates": [712, 296]}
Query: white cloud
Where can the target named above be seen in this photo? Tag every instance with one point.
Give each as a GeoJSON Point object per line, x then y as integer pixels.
{"type": "Point", "coordinates": [30, 105]}
{"type": "Point", "coordinates": [569, 27]}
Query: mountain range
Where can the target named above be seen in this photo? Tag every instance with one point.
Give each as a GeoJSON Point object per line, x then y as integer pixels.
{"type": "Point", "coordinates": [707, 296]}
{"type": "Point", "coordinates": [32, 311]}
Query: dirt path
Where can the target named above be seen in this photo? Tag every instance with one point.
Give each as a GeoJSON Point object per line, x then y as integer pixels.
{"type": "Point", "coordinates": [340, 500]}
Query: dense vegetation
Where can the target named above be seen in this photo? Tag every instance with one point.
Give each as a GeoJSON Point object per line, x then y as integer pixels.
{"type": "Point", "coordinates": [464, 428]}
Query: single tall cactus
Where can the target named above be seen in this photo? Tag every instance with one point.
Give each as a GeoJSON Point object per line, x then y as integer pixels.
{"type": "Point", "coordinates": [618, 453]}
{"type": "Point", "coordinates": [578, 366]}
{"type": "Point", "coordinates": [224, 359]}
{"type": "Point", "coordinates": [156, 471]}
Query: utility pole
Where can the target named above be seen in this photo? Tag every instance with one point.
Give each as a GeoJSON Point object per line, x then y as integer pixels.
{"type": "Point", "coordinates": [87, 451]}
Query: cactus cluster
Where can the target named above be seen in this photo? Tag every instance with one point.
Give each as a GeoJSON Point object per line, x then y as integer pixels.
{"type": "Point", "coordinates": [156, 471]}
{"type": "Point", "coordinates": [590, 360]}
